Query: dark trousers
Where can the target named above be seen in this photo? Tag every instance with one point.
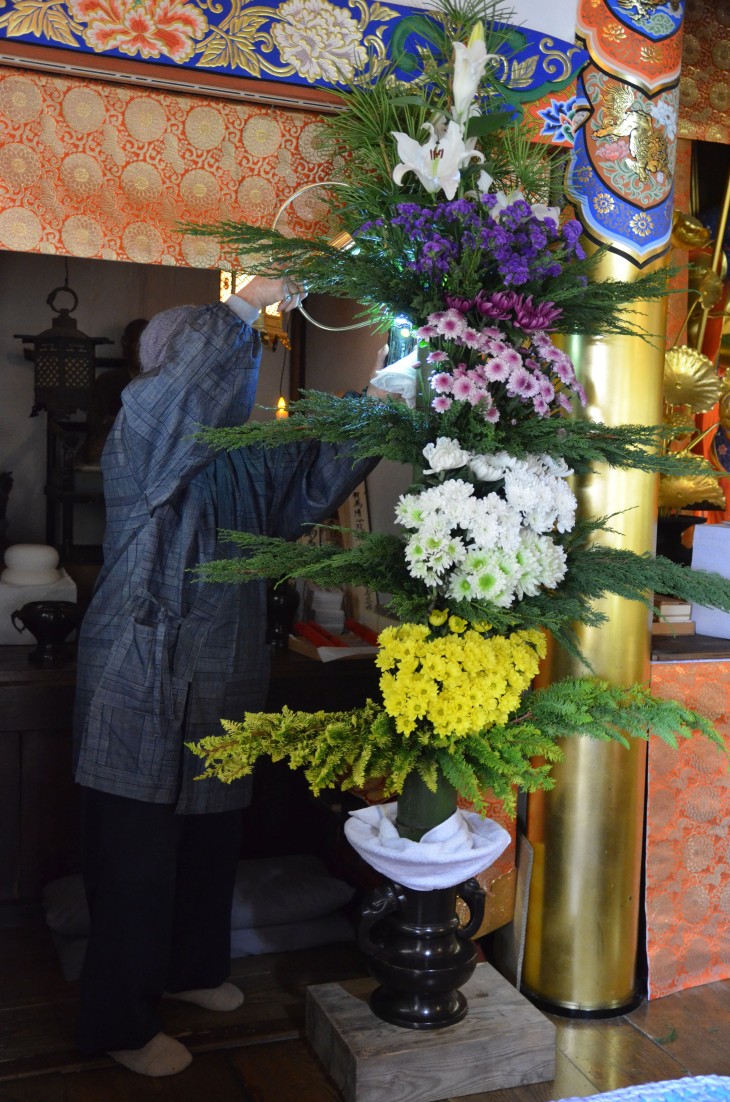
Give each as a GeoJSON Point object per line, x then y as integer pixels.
{"type": "Point", "coordinates": [160, 889]}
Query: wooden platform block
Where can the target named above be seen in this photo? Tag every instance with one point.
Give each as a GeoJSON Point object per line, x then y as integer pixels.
{"type": "Point", "coordinates": [503, 1042]}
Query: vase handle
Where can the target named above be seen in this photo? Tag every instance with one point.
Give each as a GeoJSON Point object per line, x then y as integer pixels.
{"type": "Point", "coordinates": [475, 898]}
{"type": "Point", "coordinates": [380, 903]}
{"type": "Point", "coordinates": [15, 617]}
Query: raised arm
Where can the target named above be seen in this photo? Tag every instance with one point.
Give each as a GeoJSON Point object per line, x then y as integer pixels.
{"type": "Point", "coordinates": [201, 369]}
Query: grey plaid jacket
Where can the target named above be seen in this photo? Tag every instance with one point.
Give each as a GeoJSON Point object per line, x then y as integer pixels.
{"type": "Point", "coordinates": [162, 657]}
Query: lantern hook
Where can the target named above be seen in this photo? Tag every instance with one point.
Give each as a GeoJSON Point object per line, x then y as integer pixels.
{"type": "Point", "coordinates": [61, 310]}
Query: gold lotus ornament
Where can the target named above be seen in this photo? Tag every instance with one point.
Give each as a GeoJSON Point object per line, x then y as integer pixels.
{"type": "Point", "coordinates": [724, 408]}
{"type": "Point", "coordinates": [688, 232]}
{"type": "Point", "coordinates": [679, 491]}
{"type": "Point", "coordinates": [690, 379]}
{"type": "Point", "coordinates": [678, 419]}
{"type": "Point", "coordinates": [708, 285]}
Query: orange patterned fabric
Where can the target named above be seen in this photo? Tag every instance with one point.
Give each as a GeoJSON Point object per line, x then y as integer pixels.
{"type": "Point", "coordinates": [688, 838]}
{"type": "Point", "coordinates": [704, 88]}
{"type": "Point", "coordinates": [677, 303]}
{"type": "Point", "coordinates": [104, 170]}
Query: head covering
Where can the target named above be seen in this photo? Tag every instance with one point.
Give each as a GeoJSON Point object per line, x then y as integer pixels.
{"type": "Point", "coordinates": [157, 333]}
{"type": "Point", "coordinates": [129, 342]}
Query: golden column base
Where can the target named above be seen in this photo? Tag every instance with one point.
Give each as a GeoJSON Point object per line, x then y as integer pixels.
{"type": "Point", "coordinates": [587, 832]}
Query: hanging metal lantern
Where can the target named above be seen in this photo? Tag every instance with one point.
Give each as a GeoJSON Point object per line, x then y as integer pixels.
{"type": "Point", "coordinates": [64, 359]}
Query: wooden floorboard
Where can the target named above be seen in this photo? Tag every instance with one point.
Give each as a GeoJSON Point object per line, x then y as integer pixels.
{"type": "Point", "coordinates": [612, 1054]}
{"type": "Point", "coordinates": [259, 1054]}
{"type": "Point", "coordinates": [693, 1026]}
{"type": "Point", "coordinates": [287, 1072]}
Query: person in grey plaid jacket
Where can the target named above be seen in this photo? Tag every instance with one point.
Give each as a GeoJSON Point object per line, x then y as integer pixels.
{"type": "Point", "coordinates": [163, 656]}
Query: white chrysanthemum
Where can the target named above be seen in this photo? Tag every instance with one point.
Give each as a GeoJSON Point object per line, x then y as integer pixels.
{"type": "Point", "coordinates": [553, 562]}
{"type": "Point", "coordinates": [528, 566]}
{"type": "Point", "coordinates": [492, 580]}
{"type": "Point", "coordinates": [451, 499]}
{"type": "Point", "coordinates": [494, 523]}
{"type": "Point", "coordinates": [493, 576]}
{"type": "Point", "coordinates": [421, 570]}
{"type": "Point", "coordinates": [493, 548]}
{"type": "Point", "coordinates": [460, 587]}
{"type": "Point", "coordinates": [557, 467]}
{"type": "Point", "coordinates": [445, 455]}
{"type": "Point", "coordinates": [409, 511]}
{"type": "Point", "coordinates": [487, 468]}
{"type": "Point", "coordinates": [541, 562]}
{"type": "Point", "coordinates": [543, 500]}
{"type": "Point", "coordinates": [565, 506]}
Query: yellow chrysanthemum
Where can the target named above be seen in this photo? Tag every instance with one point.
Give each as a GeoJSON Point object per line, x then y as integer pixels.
{"type": "Point", "coordinates": [458, 684]}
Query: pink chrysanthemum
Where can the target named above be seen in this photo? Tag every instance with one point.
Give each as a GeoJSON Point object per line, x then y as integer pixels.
{"type": "Point", "coordinates": [511, 357]}
{"type": "Point", "coordinates": [479, 394]}
{"type": "Point", "coordinates": [564, 370]}
{"type": "Point", "coordinates": [546, 389]}
{"type": "Point", "coordinates": [441, 382]}
{"type": "Point", "coordinates": [496, 370]}
{"type": "Point", "coordinates": [471, 338]}
{"type": "Point", "coordinates": [441, 404]}
{"type": "Point", "coordinates": [490, 346]}
{"type": "Point", "coordinates": [452, 324]}
{"type": "Point", "coordinates": [521, 384]}
{"type": "Point", "coordinates": [462, 388]}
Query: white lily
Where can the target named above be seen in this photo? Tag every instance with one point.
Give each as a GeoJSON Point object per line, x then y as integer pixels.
{"type": "Point", "coordinates": [438, 162]}
{"type": "Point", "coordinates": [470, 61]}
{"type": "Point", "coordinates": [541, 211]}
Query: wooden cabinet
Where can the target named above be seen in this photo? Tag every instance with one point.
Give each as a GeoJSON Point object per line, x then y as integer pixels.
{"type": "Point", "coordinates": [38, 804]}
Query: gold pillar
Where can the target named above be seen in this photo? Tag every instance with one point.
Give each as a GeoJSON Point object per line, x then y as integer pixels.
{"type": "Point", "coordinates": [587, 833]}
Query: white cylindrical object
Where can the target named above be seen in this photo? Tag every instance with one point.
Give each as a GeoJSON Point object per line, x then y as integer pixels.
{"type": "Point", "coordinates": [30, 564]}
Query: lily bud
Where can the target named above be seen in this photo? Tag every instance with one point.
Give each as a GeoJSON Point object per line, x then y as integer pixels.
{"type": "Point", "coordinates": [477, 34]}
{"type": "Point", "coordinates": [470, 61]}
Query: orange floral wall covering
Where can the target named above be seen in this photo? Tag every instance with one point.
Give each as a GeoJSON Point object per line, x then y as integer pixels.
{"type": "Point", "coordinates": [688, 838]}
{"type": "Point", "coordinates": [102, 170]}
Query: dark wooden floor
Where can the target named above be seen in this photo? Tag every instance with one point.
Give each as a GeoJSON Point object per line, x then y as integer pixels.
{"type": "Point", "coordinates": [258, 1054]}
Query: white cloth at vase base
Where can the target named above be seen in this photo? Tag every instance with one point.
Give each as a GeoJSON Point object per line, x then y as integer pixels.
{"type": "Point", "coordinates": [462, 846]}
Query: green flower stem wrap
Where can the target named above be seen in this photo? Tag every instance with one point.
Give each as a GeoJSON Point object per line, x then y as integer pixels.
{"type": "Point", "coordinates": [420, 809]}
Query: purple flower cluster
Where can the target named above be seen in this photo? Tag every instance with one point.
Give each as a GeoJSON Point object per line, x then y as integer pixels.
{"type": "Point", "coordinates": [484, 368]}
{"type": "Point", "coordinates": [512, 244]}
{"type": "Point", "coordinates": [519, 310]}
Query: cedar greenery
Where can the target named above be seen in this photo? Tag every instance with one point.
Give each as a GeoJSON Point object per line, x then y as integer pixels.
{"type": "Point", "coordinates": [390, 430]}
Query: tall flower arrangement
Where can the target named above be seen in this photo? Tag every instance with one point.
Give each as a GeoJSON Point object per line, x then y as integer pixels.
{"type": "Point", "coordinates": [455, 223]}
